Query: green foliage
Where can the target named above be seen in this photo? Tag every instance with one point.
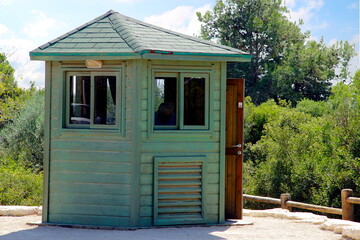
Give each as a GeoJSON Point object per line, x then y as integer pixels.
{"type": "Point", "coordinates": [19, 186]}
{"type": "Point", "coordinates": [285, 63]}
{"type": "Point", "coordinates": [307, 68]}
{"type": "Point", "coordinates": [311, 151]}
{"type": "Point", "coordinates": [6, 72]}
{"type": "Point", "coordinates": [22, 138]}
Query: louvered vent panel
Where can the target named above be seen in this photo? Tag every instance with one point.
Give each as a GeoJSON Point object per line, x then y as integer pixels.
{"type": "Point", "coordinates": [178, 190]}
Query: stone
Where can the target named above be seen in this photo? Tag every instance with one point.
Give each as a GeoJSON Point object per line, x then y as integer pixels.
{"type": "Point", "coordinates": [352, 232]}
{"type": "Point", "coordinates": [336, 225]}
{"type": "Point", "coordinates": [18, 210]}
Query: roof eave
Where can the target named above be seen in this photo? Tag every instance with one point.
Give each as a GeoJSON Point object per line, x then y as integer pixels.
{"type": "Point", "coordinates": [145, 54]}
{"type": "Point", "coordinates": [198, 56]}
{"type": "Point", "coordinates": [56, 56]}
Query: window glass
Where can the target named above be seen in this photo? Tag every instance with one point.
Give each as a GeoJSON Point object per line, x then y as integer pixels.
{"type": "Point", "coordinates": [105, 100]}
{"type": "Point", "coordinates": [79, 100]}
{"type": "Point", "coordinates": [194, 101]}
{"type": "Point", "coordinates": [165, 101]}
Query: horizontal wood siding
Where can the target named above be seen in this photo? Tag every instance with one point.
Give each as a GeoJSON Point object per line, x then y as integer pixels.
{"type": "Point", "coordinates": [181, 144]}
{"type": "Point", "coordinates": [91, 171]}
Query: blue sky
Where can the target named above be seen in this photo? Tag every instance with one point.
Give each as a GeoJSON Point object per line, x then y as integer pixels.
{"type": "Point", "coordinates": [27, 24]}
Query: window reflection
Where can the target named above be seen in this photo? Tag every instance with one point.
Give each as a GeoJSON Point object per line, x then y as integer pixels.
{"type": "Point", "coordinates": [165, 101]}
{"type": "Point", "coordinates": [105, 100]}
{"type": "Point", "coordinates": [79, 99]}
{"type": "Point", "coordinates": [194, 101]}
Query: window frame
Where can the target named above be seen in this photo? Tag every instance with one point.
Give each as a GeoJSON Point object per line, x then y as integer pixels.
{"type": "Point", "coordinates": [92, 75]}
{"type": "Point", "coordinates": [180, 76]}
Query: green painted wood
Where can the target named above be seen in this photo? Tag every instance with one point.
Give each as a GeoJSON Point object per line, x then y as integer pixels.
{"type": "Point", "coordinates": [213, 188]}
{"type": "Point", "coordinates": [91, 156]}
{"type": "Point", "coordinates": [146, 211]}
{"type": "Point", "coordinates": [90, 198]}
{"type": "Point", "coordinates": [135, 205]}
{"type": "Point", "coordinates": [146, 221]}
{"type": "Point", "coordinates": [47, 127]}
{"type": "Point", "coordinates": [176, 136]}
{"type": "Point", "coordinates": [90, 188]}
{"type": "Point", "coordinates": [184, 147]}
{"type": "Point", "coordinates": [91, 167]}
{"type": "Point", "coordinates": [222, 145]}
{"type": "Point", "coordinates": [89, 220]}
{"type": "Point", "coordinates": [110, 146]}
{"type": "Point", "coordinates": [87, 209]}
{"type": "Point", "coordinates": [88, 177]}
{"type": "Point", "coordinates": [148, 158]}
{"type": "Point", "coordinates": [146, 200]}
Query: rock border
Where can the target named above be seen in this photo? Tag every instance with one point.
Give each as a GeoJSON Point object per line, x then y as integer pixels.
{"type": "Point", "coordinates": [20, 210]}
{"type": "Point", "coordinates": [346, 228]}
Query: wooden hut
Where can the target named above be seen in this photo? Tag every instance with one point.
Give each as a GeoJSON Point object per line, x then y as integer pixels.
{"type": "Point", "coordinates": [136, 127]}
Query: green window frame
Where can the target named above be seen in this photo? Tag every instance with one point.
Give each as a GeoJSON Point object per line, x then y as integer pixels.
{"type": "Point", "coordinates": [93, 79]}
{"type": "Point", "coordinates": [182, 95]}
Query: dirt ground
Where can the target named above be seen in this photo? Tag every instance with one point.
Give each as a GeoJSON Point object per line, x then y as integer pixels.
{"type": "Point", "coordinates": [267, 228]}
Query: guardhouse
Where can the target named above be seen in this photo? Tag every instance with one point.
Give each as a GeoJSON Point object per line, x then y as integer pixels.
{"type": "Point", "coordinates": [143, 127]}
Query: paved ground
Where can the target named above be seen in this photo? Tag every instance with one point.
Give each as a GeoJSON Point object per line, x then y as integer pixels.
{"type": "Point", "coordinates": [264, 228]}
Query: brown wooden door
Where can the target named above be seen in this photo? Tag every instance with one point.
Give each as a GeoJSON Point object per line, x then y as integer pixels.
{"type": "Point", "coordinates": [234, 148]}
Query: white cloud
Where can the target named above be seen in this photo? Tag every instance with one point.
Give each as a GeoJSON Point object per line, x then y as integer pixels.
{"type": "Point", "coordinates": [17, 49]}
{"type": "Point", "coordinates": [125, 1]}
{"type": "Point", "coordinates": [290, 3]}
{"type": "Point", "coordinates": [37, 31]}
{"type": "Point", "coordinates": [332, 42]}
{"type": "Point", "coordinates": [6, 2]}
{"type": "Point", "coordinates": [41, 26]}
{"type": "Point", "coordinates": [181, 19]}
{"type": "Point", "coordinates": [354, 5]}
{"type": "Point", "coordinates": [25, 70]}
{"type": "Point", "coordinates": [4, 30]}
{"type": "Point", "coordinates": [355, 61]}
{"type": "Point", "coordinates": [307, 10]}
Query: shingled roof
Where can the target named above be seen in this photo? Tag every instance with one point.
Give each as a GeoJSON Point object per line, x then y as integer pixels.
{"type": "Point", "coordinates": [114, 35]}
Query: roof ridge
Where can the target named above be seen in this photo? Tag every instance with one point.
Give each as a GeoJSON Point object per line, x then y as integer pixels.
{"type": "Point", "coordinates": [131, 40]}
{"type": "Point", "coordinates": [46, 45]}
{"type": "Point", "coordinates": [180, 34]}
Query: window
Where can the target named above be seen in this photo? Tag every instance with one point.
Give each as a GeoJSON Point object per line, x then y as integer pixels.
{"type": "Point", "coordinates": [181, 101]}
{"type": "Point", "coordinates": [92, 100]}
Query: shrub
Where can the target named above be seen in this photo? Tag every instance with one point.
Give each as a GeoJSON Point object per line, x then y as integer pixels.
{"type": "Point", "coordinates": [311, 151]}
{"type": "Point", "coordinates": [20, 186]}
{"type": "Point", "coordinates": [22, 139]}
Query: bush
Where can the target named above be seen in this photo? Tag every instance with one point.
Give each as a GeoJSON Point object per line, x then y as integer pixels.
{"type": "Point", "coordinates": [20, 186]}
{"type": "Point", "coordinates": [22, 138]}
{"type": "Point", "coordinates": [311, 151]}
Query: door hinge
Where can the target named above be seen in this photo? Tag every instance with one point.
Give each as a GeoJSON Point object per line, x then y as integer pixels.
{"type": "Point", "coordinates": [240, 105]}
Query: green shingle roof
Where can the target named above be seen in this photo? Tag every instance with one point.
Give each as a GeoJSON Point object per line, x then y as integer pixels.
{"type": "Point", "coordinates": [118, 36]}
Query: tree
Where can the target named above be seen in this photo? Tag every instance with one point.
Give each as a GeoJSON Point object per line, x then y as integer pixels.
{"type": "Point", "coordinates": [261, 28]}
{"type": "Point", "coordinates": [6, 72]}
{"type": "Point", "coordinates": [307, 69]}
{"type": "Point", "coordinates": [311, 151]}
{"type": "Point", "coordinates": [21, 140]}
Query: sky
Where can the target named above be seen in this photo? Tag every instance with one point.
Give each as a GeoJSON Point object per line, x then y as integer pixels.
{"type": "Point", "coordinates": [27, 24]}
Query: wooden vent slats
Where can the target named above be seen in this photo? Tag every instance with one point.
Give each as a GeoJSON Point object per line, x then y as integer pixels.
{"type": "Point", "coordinates": [178, 191]}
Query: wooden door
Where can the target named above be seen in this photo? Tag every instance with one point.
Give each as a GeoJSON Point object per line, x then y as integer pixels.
{"type": "Point", "coordinates": [234, 147]}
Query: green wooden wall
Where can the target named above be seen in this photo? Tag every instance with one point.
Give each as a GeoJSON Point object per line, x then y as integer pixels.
{"type": "Point", "coordinates": [106, 177]}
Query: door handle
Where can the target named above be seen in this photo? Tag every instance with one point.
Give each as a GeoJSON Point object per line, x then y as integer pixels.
{"type": "Point", "coordinates": [236, 146]}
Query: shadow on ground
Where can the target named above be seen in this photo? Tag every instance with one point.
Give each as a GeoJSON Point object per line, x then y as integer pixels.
{"type": "Point", "coordinates": [60, 233]}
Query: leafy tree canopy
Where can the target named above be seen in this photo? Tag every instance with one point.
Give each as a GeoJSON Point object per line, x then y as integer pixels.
{"type": "Point", "coordinates": [6, 72]}
{"type": "Point", "coordinates": [285, 63]}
